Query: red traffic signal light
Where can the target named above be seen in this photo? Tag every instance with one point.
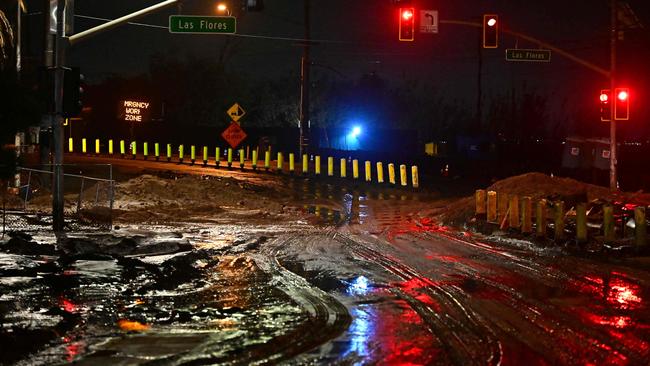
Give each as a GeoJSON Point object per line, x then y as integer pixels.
{"type": "Point", "coordinates": [407, 24]}
{"type": "Point", "coordinates": [490, 31]}
{"type": "Point", "coordinates": [622, 104]}
{"type": "Point", "coordinates": [605, 106]}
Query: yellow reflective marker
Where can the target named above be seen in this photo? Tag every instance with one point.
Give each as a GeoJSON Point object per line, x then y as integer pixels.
{"type": "Point", "coordinates": [241, 158]}
{"type": "Point", "coordinates": [391, 173]}
{"type": "Point", "coordinates": [122, 148]}
{"type": "Point", "coordinates": [180, 153]}
{"type": "Point", "coordinates": [368, 171]}
{"type": "Point", "coordinates": [330, 166]}
{"type": "Point", "coordinates": [70, 145]}
{"type": "Point", "coordinates": [402, 175]}
{"type": "Point", "coordinates": [380, 172]}
{"type": "Point", "coordinates": [344, 165]}
{"type": "Point", "coordinates": [169, 152]}
{"type": "Point", "coordinates": [134, 149]}
{"type": "Point", "coordinates": [355, 169]}
{"type": "Point", "coordinates": [292, 163]}
{"type": "Point", "coordinates": [255, 159]}
{"type": "Point", "coordinates": [229, 158]}
{"type": "Point", "coordinates": [280, 162]}
{"type": "Point", "coordinates": [305, 164]}
{"type": "Point", "coordinates": [317, 165]}
{"type": "Point", "coordinates": [83, 145]}
{"type": "Point", "coordinates": [156, 150]}
{"type": "Point", "coordinates": [205, 155]}
{"type": "Point", "coordinates": [217, 157]}
{"type": "Point", "coordinates": [414, 176]}
{"type": "Point", "coordinates": [145, 147]}
{"type": "Point", "coordinates": [97, 146]}
{"type": "Point", "coordinates": [110, 147]}
{"type": "Point", "coordinates": [192, 154]}
{"type": "Point", "coordinates": [267, 160]}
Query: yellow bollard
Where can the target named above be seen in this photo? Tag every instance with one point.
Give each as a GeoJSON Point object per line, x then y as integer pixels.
{"type": "Point", "coordinates": [267, 160]}
{"type": "Point", "coordinates": [97, 146]}
{"type": "Point", "coordinates": [242, 158]}
{"type": "Point", "coordinates": [344, 165]}
{"type": "Point", "coordinates": [145, 147]}
{"type": "Point", "coordinates": [641, 227]}
{"type": "Point", "coordinates": [156, 150]}
{"type": "Point", "coordinates": [513, 210]}
{"type": "Point", "coordinates": [414, 176]}
{"type": "Point", "coordinates": [526, 215]}
{"type": "Point", "coordinates": [391, 173]}
{"type": "Point", "coordinates": [180, 154]}
{"type": "Point", "coordinates": [559, 220]}
{"type": "Point", "coordinates": [317, 165]}
{"type": "Point", "coordinates": [229, 158]}
{"type": "Point", "coordinates": [205, 155]}
{"type": "Point", "coordinates": [280, 161]}
{"type": "Point", "coordinates": [169, 152]}
{"type": "Point", "coordinates": [368, 171]}
{"type": "Point", "coordinates": [380, 172]}
{"type": "Point", "coordinates": [192, 154]}
{"type": "Point", "coordinates": [330, 166]}
{"type": "Point", "coordinates": [122, 148]}
{"type": "Point", "coordinates": [402, 175]}
{"type": "Point", "coordinates": [70, 145]}
{"type": "Point", "coordinates": [480, 198]}
{"type": "Point", "coordinates": [540, 218]}
{"type": "Point", "coordinates": [292, 162]}
{"type": "Point", "coordinates": [581, 223]}
{"type": "Point", "coordinates": [492, 207]}
{"type": "Point", "coordinates": [255, 159]}
{"type": "Point", "coordinates": [305, 164]}
{"type": "Point", "coordinates": [355, 169]}
{"type": "Point", "coordinates": [217, 157]}
{"type": "Point", "coordinates": [83, 145]}
{"type": "Point", "coordinates": [134, 149]}
{"type": "Point", "coordinates": [110, 147]}
{"type": "Point", "coordinates": [608, 223]}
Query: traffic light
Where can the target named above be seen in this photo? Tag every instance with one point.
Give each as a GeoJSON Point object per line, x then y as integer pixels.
{"type": "Point", "coordinates": [407, 24]}
{"type": "Point", "coordinates": [622, 104]}
{"type": "Point", "coordinates": [72, 92]}
{"type": "Point", "coordinates": [490, 31]}
{"type": "Point", "coordinates": [605, 106]}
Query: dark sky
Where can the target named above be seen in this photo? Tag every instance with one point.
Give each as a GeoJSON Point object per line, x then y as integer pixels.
{"type": "Point", "coordinates": [360, 36]}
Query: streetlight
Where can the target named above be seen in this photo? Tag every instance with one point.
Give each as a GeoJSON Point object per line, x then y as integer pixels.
{"type": "Point", "coordinates": [222, 8]}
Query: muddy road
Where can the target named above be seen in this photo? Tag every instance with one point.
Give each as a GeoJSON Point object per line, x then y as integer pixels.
{"type": "Point", "coordinates": [347, 276]}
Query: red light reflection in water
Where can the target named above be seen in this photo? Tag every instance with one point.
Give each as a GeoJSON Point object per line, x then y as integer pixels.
{"type": "Point", "coordinates": [73, 349]}
{"type": "Point", "coordinates": [424, 225]}
{"type": "Point", "coordinates": [68, 305]}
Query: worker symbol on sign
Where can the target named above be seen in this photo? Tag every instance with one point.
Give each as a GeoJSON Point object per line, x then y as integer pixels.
{"type": "Point", "coordinates": [236, 112]}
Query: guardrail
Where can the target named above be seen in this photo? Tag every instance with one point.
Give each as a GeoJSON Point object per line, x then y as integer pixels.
{"type": "Point", "coordinates": [309, 164]}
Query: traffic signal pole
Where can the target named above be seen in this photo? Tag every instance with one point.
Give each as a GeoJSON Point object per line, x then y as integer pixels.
{"type": "Point", "coordinates": [57, 121]}
{"type": "Point", "coordinates": [613, 175]}
{"type": "Point", "coordinates": [304, 83]}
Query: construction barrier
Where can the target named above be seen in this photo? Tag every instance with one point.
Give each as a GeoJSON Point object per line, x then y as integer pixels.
{"type": "Point", "coordinates": [229, 158]}
{"type": "Point", "coordinates": [169, 152]}
{"type": "Point", "coordinates": [415, 180]}
{"type": "Point", "coordinates": [156, 150]}
{"type": "Point", "coordinates": [96, 146]}
{"type": "Point", "coordinates": [192, 154]}
{"type": "Point", "coordinates": [122, 148]}
{"type": "Point", "coordinates": [355, 169]}
{"type": "Point", "coordinates": [145, 148]}
{"type": "Point", "coordinates": [380, 172]}
{"type": "Point", "coordinates": [242, 158]}
{"type": "Point", "coordinates": [254, 163]}
{"type": "Point", "coordinates": [391, 173]}
{"type": "Point", "coordinates": [70, 145]}
{"type": "Point", "coordinates": [180, 154]}
{"type": "Point", "coordinates": [344, 165]}
{"type": "Point", "coordinates": [205, 155]}
{"type": "Point", "coordinates": [280, 162]}
{"type": "Point", "coordinates": [110, 147]}
{"type": "Point", "coordinates": [134, 149]}
{"type": "Point", "coordinates": [267, 160]}
{"type": "Point", "coordinates": [83, 145]}
{"type": "Point", "coordinates": [305, 164]}
{"type": "Point", "coordinates": [317, 165]}
{"type": "Point", "coordinates": [292, 163]}
{"type": "Point", "coordinates": [330, 166]}
{"type": "Point", "coordinates": [217, 157]}
{"type": "Point", "coordinates": [403, 175]}
{"type": "Point", "coordinates": [368, 171]}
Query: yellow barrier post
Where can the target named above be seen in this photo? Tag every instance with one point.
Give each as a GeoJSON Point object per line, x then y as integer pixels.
{"type": "Point", "coordinates": [134, 149]}
{"type": "Point", "coordinates": [255, 159]}
{"type": "Point", "coordinates": [581, 223]}
{"type": "Point", "coordinates": [267, 160]}
{"type": "Point", "coordinates": [156, 150]}
{"type": "Point", "coordinates": [540, 218]}
{"type": "Point", "coordinates": [110, 147]}
{"type": "Point", "coordinates": [145, 148]}
{"type": "Point", "coordinates": [481, 203]}
{"type": "Point", "coordinates": [368, 171]}
{"type": "Point", "coordinates": [355, 169]}
{"type": "Point", "coordinates": [391, 173]}
{"type": "Point", "coordinates": [291, 163]}
{"type": "Point", "coordinates": [280, 161]}
{"type": "Point", "coordinates": [403, 175]}
{"type": "Point", "coordinates": [305, 164]}
{"type": "Point", "coordinates": [513, 209]}
{"type": "Point", "coordinates": [96, 146]}
{"type": "Point", "coordinates": [180, 154]}
{"type": "Point", "coordinates": [608, 223]}
{"type": "Point", "coordinates": [380, 172]}
{"type": "Point", "coordinates": [192, 154]}
{"type": "Point", "coordinates": [415, 179]}
{"type": "Point", "coordinates": [492, 216]}
{"type": "Point", "coordinates": [317, 165]}
{"type": "Point", "coordinates": [344, 165]}
{"type": "Point", "coordinates": [641, 227]}
{"type": "Point", "coordinates": [559, 220]}
{"type": "Point", "coordinates": [70, 145]}
{"type": "Point", "coordinates": [330, 166]}
{"type": "Point", "coordinates": [122, 148]}
{"type": "Point", "coordinates": [229, 158]}
{"type": "Point", "coordinates": [217, 157]}
{"type": "Point", "coordinates": [526, 215]}
{"type": "Point", "coordinates": [83, 145]}
{"type": "Point", "coordinates": [242, 158]}
{"type": "Point", "coordinates": [169, 152]}
{"type": "Point", "coordinates": [205, 155]}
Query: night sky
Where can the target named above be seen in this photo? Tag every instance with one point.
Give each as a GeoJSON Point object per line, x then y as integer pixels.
{"type": "Point", "coordinates": [360, 36]}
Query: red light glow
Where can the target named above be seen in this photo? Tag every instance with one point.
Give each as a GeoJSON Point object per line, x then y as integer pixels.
{"type": "Point", "coordinates": [604, 97]}
{"type": "Point", "coordinates": [407, 14]}
{"type": "Point", "coordinates": [492, 22]}
{"type": "Point", "coordinates": [623, 95]}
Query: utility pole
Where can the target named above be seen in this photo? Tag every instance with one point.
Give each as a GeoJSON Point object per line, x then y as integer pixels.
{"type": "Point", "coordinates": [479, 94]}
{"type": "Point", "coordinates": [613, 176]}
{"type": "Point", "coordinates": [305, 83]}
{"type": "Point", "coordinates": [57, 120]}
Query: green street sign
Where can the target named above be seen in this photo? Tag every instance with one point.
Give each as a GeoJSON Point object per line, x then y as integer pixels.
{"type": "Point", "coordinates": [199, 24]}
{"type": "Point", "coordinates": [521, 54]}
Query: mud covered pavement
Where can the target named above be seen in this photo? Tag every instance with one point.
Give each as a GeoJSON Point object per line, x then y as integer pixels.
{"type": "Point", "coordinates": [303, 273]}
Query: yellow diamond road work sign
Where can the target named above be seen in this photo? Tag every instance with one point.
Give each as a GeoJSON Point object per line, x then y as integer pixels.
{"type": "Point", "coordinates": [236, 112]}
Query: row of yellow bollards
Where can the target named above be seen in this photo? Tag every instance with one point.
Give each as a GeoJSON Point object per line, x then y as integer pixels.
{"type": "Point", "coordinates": [509, 211]}
{"type": "Point", "coordinates": [305, 163]}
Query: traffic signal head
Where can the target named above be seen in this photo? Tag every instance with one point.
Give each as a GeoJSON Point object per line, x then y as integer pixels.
{"type": "Point", "coordinates": [407, 24]}
{"type": "Point", "coordinates": [605, 106]}
{"type": "Point", "coordinates": [72, 92]}
{"type": "Point", "coordinates": [622, 104]}
{"type": "Point", "coordinates": [490, 31]}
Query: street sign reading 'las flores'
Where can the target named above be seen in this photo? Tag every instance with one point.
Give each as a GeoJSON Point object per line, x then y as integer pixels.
{"type": "Point", "coordinates": [199, 24]}
{"type": "Point", "coordinates": [528, 55]}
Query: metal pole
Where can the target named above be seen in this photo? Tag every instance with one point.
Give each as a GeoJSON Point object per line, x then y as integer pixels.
{"type": "Point", "coordinates": [18, 37]}
{"type": "Point", "coordinates": [57, 122]}
{"type": "Point", "coordinates": [613, 178]}
{"type": "Point", "coordinates": [479, 95]}
{"type": "Point", "coordinates": [304, 84]}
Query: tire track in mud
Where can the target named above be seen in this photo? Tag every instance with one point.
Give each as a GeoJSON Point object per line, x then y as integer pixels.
{"type": "Point", "coordinates": [467, 338]}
